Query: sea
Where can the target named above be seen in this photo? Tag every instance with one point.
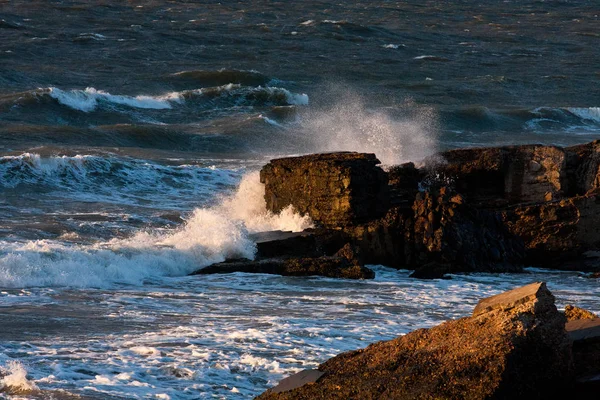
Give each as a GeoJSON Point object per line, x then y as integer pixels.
{"type": "Point", "coordinates": [131, 136]}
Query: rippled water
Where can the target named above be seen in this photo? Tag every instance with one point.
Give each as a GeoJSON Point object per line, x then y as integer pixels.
{"type": "Point", "coordinates": [130, 137]}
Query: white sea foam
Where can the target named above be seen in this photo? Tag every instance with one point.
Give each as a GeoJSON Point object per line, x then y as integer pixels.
{"type": "Point", "coordinates": [88, 100]}
{"type": "Point", "coordinates": [345, 123]}
{"type": "Point", "coordinates": [209, 235]}
{"type": "Point", "coordinates": [393, 46]}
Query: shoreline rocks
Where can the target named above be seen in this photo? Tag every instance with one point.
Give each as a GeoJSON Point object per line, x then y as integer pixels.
{"type": "Point", "coordinates": [513, 346]}
{"type": "Point", "coordinates": [468, 210]}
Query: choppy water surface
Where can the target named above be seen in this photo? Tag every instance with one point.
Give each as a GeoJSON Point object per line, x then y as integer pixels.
{"type": "Point", "coordinates": [229, 336]}
{"type": "Point", "coordinates": [130, 137]}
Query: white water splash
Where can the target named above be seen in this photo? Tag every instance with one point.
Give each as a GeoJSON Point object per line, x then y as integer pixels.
{"type": "Point", "coordinates": [345, 123]}
{"type": "Point", "coordinates": [210, 235]}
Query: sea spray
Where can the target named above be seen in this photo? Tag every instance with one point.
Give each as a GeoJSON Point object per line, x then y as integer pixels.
{"type": "Point", "coordinates": [13, 378]}
{"type": "Point", "coordinates": [210, 235]}
{"type": "Point", "coordinates": [344, 122]}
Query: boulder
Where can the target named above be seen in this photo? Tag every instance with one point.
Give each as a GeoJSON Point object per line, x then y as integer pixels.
{"type": "Point", "coordinates": [386, 241]}
{"type": "Point", "coordinates": [334, 189]}
{"type": "Point", "coordinates": [514, 347]}
{"type": "Point", "coordinates": [331, 267]}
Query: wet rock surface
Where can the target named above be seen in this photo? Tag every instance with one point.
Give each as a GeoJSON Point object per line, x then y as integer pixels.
{"type": "Point", "coordinates": [514, 346]}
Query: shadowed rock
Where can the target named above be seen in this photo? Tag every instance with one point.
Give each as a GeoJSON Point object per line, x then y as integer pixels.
{"type": "Point", "coordinates": [331, 267]}
{"type": "Point", "coordinates": [301, 378]}
{"type": "Point", "coordinates": [585, 334]}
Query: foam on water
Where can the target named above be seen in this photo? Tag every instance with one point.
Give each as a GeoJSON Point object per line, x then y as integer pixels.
{"type": "Point", "coordinates": [233, 336]}
{"type": "Point", "coordinates": [209, 235]}
{"type": "Point", "coordinates": [13, 377]}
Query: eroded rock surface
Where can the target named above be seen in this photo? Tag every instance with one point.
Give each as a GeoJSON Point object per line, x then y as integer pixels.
{"type": "Point", "coordinates": [515, 347]}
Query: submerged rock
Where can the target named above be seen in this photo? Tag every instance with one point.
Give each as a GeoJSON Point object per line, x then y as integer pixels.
{"type": "Point", "coordinates": [514, 346]}
{"type": "Point", "coordinates": [331, 267]}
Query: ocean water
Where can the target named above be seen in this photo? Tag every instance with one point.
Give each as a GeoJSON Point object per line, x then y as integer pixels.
{"type": "Point", "coordinates": [131, 135]}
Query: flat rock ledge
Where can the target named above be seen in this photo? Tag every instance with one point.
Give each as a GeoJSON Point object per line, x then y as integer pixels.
{"type": "Point", "coordinates": [514, 346]}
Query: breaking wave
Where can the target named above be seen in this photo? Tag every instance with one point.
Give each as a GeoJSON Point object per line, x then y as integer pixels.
{"type": "Point", "coordinates": [209, 235]}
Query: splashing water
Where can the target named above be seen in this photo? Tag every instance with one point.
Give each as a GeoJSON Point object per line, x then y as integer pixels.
{"type": "Point", "coordinates": [345, 123]}
{"type": "Point", "coordinates": [13, 378]}
{"type": "Point", "coordinates": [210, 235]}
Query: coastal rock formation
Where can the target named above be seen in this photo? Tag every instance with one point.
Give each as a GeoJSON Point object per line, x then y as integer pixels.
{"type": "Point", "coordinates": [514, 346]}
{"type": "Point", "coordinates": [585, 335]}
{"type": "Point", "coordinates": [335, 189]}
{"type": "Point", "coordinates": [466, 210]}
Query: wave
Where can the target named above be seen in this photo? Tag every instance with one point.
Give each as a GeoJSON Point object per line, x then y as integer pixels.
{"type": "Point", "coordinates": [115, 180]}
{"type": "Point", "coordinates": [210, 235]}
{"type": "Point", "coordinates": [540, 119]}
{"type": "Point", "coordinates": [90, 99]}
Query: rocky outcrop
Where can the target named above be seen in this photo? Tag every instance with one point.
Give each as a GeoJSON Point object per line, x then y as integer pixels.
{"type": "Point", "coordinates": [514, 346]}
{"type": "Point", "coordinates": [335, 189]}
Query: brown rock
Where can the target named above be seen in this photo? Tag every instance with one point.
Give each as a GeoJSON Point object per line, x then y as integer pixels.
{"type": "Point", "coordinates": [585, 334]}
{"type": "Point", "coordinates": [351, 253]}
{"type": "Point", "coordinates": [519, 350]}
{"type": "Point", "coordinates": [384, 241]}
{"type": "Point", "coordinates": [334, 189]}
{"type": "Point", "coordinates": [575, 313]}
{"type": "Point", "coordinates": [511, 299]}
